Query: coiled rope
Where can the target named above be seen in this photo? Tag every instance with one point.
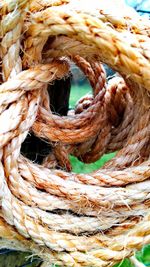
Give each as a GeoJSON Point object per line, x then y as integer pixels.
{"type": "Point", "coordinates": [104, 216]}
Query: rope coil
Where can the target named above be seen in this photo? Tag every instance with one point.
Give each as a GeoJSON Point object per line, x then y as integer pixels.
{"type": "Point", "coordinates": [72, 219]}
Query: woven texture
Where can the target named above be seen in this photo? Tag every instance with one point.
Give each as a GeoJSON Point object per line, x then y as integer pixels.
{"type": "Point", "coordinates": [72, 219]}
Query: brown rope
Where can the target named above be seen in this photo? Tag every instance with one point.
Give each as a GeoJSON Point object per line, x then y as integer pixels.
{"type": "Point", "coordinates": [73, 219]}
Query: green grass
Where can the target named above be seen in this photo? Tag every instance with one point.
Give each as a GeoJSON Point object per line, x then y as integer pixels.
{"type": "Point", "coordinates": [124, 263]}
{"type": "Point", "coordinates": [80, 167]}
{"type": "Point", "coordinates": [144, 255]}
{"type": "Point", "coordinates": [77, 92]}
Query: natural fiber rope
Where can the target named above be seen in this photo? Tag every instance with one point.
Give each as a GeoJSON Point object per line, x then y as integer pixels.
{"type": "Point", "coordinates": [72, 219]}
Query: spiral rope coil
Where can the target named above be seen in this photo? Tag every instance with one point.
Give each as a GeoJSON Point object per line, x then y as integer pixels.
{"type": "Point", "coordinates": [103, 216]}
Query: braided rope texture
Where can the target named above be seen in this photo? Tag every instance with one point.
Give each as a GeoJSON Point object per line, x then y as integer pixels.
{"type": "Point", "coordinates": [72, 219]}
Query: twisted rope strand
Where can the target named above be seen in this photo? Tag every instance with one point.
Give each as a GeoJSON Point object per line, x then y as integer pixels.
{"type": "Point", "coordinates": [75, 219]}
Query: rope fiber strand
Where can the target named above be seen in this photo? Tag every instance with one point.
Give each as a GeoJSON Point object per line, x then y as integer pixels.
{"type": "Point", "coordinates": [70, 219]}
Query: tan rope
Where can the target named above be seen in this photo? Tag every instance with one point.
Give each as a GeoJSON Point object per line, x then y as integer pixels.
{"type": "Point", "coordinates": [73, 219]}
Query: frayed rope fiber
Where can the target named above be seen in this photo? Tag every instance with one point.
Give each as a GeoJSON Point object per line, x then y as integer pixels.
{"type": "Point", "coordinates": [72, 219]}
